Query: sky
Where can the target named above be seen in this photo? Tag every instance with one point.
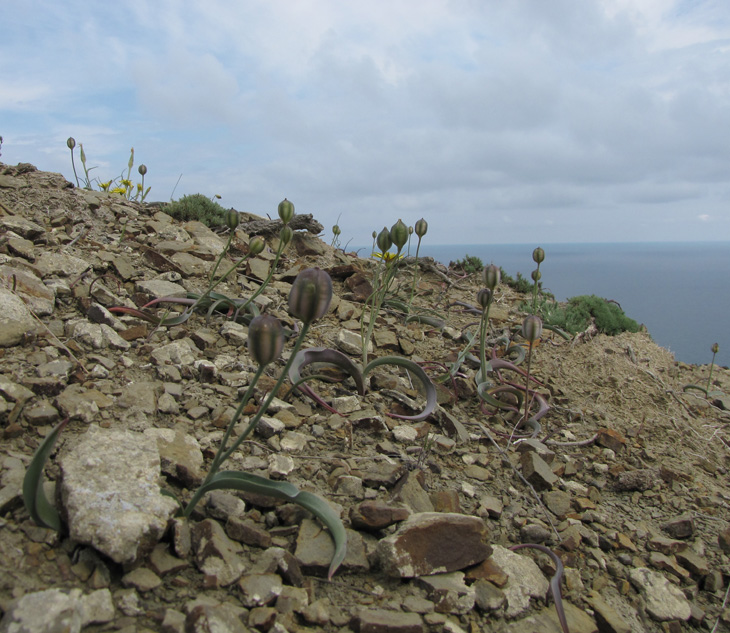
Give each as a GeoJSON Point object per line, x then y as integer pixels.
{"type": "Point", "coordinates": [520, 121]}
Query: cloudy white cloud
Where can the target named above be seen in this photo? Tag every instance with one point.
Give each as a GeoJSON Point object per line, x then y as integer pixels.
{"type": "Point", "coordinates": [573, 120]}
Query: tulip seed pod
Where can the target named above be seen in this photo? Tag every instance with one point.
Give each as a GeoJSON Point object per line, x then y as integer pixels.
{"type": "Point", "coordinates": [492, 276]}
{"type": "Point", "coordinates": [310, 295]}
{"type": "Point", "coordinates": [384, 241]}
{"type": "Point", "coordinates": [265, 339]}
{"type": "Point", "coordinates": [286, 211]}
{"type": "Point", "coordinates": [71, 142]}
{"type": "Point", "coordinates": [399, 234]}
{"type": "Point", "coordinates": [715, 348]}
{"type": "Point", "coordinates": [286, 234]}
{"type": "Point", "coordinates": [142, 169]}
{"type": "Point", "coordinates": [336, 230]}
{"type": "Point", "coordinates": [538, 255]}
{"type": "Point", "coordinates": [532, 328]}
{"type": "Point", "coordinates": [484, 297]}
{"type": "Point", "coordinates": [375, 234]}
{"type": "Point", "coordinates": [232, 219]}
{"type": "Point", "coordinates": [421, 227]}
{"type": "Point", "coordinates": [536, 275]}
{"type": "Point", "coordinates": [255, 246]}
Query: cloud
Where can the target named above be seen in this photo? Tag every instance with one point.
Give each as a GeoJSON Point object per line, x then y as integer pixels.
{"type": "Point", "coordinates": [460, 113]}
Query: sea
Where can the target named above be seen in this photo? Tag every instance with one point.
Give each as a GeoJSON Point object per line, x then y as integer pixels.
{"type": "Point", "coordinates": [679, 290]}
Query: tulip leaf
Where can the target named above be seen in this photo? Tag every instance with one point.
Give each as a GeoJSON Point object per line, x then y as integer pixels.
{"type": "Point", "coordinates": [289, 492]}
{"type": "Point", "coordinates": [419, 373]}
{"type": "Point", "coordinates": [40, 509]}
{"type": "Point", "coordinates": [323, 355]}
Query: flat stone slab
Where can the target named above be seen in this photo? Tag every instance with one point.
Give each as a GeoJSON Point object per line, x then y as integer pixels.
{"type": "Point", "coordinates": [110, 489]}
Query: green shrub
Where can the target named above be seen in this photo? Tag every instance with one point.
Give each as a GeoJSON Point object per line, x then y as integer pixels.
{"type": "Point", "coordinates": [575, 315]}
{"type": "Point", "coordinates": [470, 264]}
{"type": "Point", "coordinates": [197, 207]}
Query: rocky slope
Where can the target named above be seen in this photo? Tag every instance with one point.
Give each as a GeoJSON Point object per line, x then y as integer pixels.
{"type": "Point", "coordinates": [627, 486]}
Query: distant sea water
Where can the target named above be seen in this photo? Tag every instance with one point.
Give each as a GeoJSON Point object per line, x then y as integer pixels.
{"type": "Point", "coordinates": [679, 291]}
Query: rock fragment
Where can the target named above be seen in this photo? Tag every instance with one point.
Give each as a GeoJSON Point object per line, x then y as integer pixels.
{"type": "Point", "coordinates": [111, 494]}
{"type": "Point", "coordinates": [432, 542]}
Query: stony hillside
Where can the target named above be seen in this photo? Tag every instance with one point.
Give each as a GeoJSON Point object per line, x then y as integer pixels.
{"type": "Point", "coordinates": [626, 481]}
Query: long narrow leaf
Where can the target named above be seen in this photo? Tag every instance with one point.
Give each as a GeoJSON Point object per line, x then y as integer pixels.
{"type": "Point", "coordinates": [289, 492]}
{"type": "Point", "coordinates": [40, 509]}
{"type": "Point", "coordinates": [419, 373]}
{"type": "Point", "coordinates": [324, 355]}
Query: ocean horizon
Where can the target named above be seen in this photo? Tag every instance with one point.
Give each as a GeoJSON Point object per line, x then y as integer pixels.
{"type": "Point", "coordinates": [679, 290]}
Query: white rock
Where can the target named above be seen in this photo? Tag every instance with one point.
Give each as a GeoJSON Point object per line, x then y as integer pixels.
{"type": "Point", "coordinates": [15, 319]}
{"type": "Point", "coordinates": [46, 611]}
{"type": "Point", "coordinates": [525, 580]}
{"type": "Point", "coordinates": [664, 601]}
{"type": "Point", "coordinates": [111, 491]}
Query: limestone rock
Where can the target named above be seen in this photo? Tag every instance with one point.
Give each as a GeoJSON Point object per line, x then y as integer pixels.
{"type": "Point", "coordinates": [111, 495]}
{"type": "Point", "coordinates": [15, 318]}
{"type": "Point", "coordinates": [432, 542]}
{"type": "Point", "coordinates": [664, 601]}
{"type": "Point", "coordinates": [525, 580]}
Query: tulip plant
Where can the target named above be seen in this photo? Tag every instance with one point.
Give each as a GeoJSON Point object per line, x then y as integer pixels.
{"type": "Point", "coordinates": [121, 185]}
{"type": "Point", "coordinates": [212, 301]}
{"type": "Point", "coordinates": [309, 300]}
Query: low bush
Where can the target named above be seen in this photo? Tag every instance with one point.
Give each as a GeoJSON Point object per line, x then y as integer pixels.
{"type": "Point", "coordinates": [470, 264]}
{"type": "Point", "coordinates": [576, 314]}
{"type": "Point", "coordinates": [197, 207]}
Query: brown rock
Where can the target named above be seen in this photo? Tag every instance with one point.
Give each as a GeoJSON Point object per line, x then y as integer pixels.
{"type": "Point", "coordinates": [376, 515]}
{"type": "Point", "coordinates": [536, 471]}
{"type": "Point", "coordinates": [432, 542]}
{"type": "Point", "coordinates": [609, 438]}
{"type": "Point", "coordinates": [681, 527]}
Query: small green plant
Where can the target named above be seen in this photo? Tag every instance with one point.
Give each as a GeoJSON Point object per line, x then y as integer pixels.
{"type": "Point", "coordinates": [576, 314]}
{"type": "Point", "coordinates": [121, 185]}
{"type": "Point", "coordinates": [469, 265]}
{"type": "Point", "coordinates": [715, 349]}
{"type": "Point", "coordinates": [421, 230]}
{"type": "Point", "coordinates": [197, 207]}
{"type": "Point", "coordinates": [309, 300]}
{"type": "Point", "coordinates": [485, 296]}
{"type": "Point", "coordinates": [538, 256]}
{"type": "Point", "coordinates": [531, 331]}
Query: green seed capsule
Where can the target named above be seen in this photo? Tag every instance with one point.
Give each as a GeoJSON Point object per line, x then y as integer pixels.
{"type": "Point", "coordinates": [536, 275]}
{"type": "Point", "coordinates": [336, 230]}
{"type": "Point", "coordinates": [538, 255]}
{"type": "Point", "coordinates": [492, 276]}
{"type": "Point", "coordinates": [142, 169]}
{"type": "Point", "coordinates": [384, 241]}
{"type": "Point", "coordinates": [399, 234]}
{"type": "Point", "coordinates": [71, 142]}
{"type": "Point", "coordinates": [232, 219]}
{"type": "Point", "coordinates": [310, 295]}
{"type": "Point", "coordinates": [265, 339]}
{"type": "Point", "coordinates": [286, 234]}
{"type": "Point", "coordinates": [532, 328]}
{"type": "Point", "coordinates": [715, 348]}
{"type": "Point", "coordinates": [421, 227]}
{"type": "Point", "coordinates": [484, 297]}
{"type": "Point", "coordinates": [286, 211]}
{"type": "Point", "coordinates": [256, 246]}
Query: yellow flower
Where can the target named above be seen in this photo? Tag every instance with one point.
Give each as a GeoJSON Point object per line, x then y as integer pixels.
{"type": "Point", "coordinates": [387, 256]}
{"type": "Point", "coordinates": [105, 185]}
{"type": "Point", "coordinates": [119, 190]}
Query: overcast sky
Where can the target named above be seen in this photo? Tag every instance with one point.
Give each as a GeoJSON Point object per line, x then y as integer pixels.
{"type": "Point", "coordinates": [497, 121]}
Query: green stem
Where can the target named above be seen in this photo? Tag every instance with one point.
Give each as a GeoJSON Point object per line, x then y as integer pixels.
{"type": "Point", "coordinates": [217, 460]}
{"type": "Point", "coordinates": [415, 276]}
{"type": "Point", "coordinates": [73, 164]}
{"type": "Point", "coordinates": [222, 456]}
{"type": "Point", "coordinates": [712, 366]}
{"type": "Point", "coordinates": [484, 325]}
{"type": "Point", "coordinates": [527, 384]}
{"type": "Point", "coordinates": [269, 276]}
{"type": "Point", "coordinates": [221, 256]}
{"type": "Point", "coordinates": [534, 292]}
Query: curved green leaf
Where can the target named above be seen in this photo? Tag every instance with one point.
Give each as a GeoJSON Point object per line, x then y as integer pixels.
{"type": "Point", "coordinates": [419, 373]}
{"type": "Point", "coordinates": [40, 509]}
{"type": "Point", "coordinates": [323, 355]}
{"type": "Point", "coordinates": [289, 492]}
